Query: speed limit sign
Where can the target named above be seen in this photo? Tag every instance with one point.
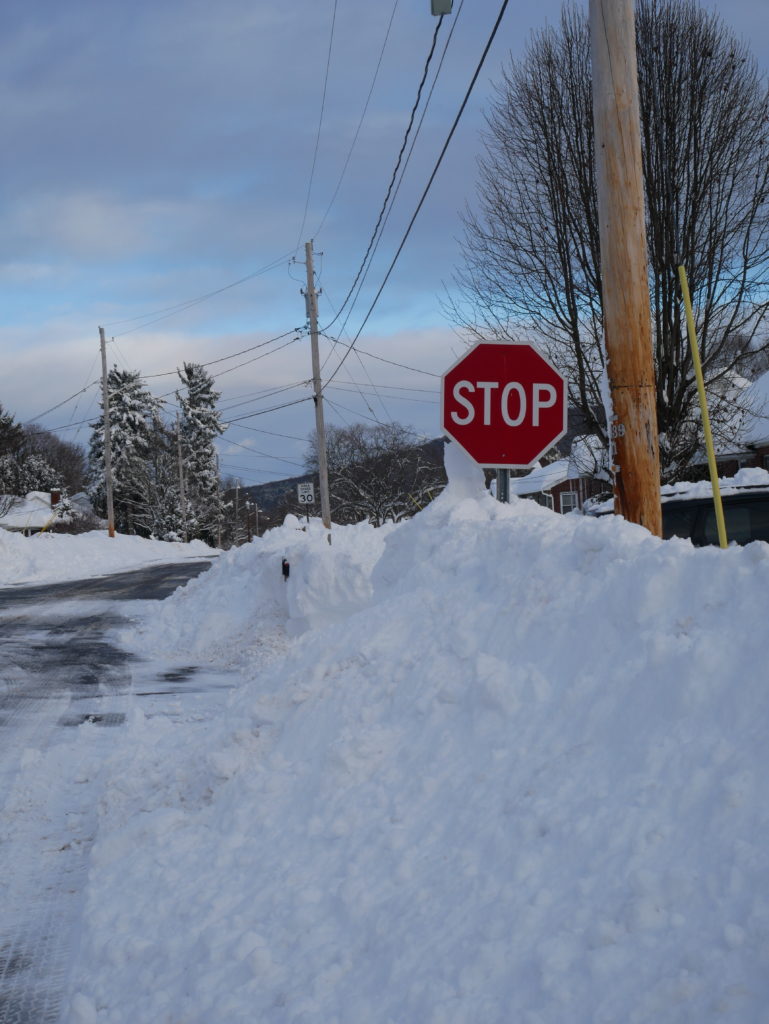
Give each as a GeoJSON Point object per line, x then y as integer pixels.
{"type": "Point", "coordinates": [305, 493]}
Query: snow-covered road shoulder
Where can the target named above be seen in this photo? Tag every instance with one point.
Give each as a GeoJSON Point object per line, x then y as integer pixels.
{"type": "Point", "coordinates": [53, 557]}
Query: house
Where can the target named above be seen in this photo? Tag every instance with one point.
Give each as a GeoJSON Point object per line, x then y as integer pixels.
{"type": "Point", "coordinates": [752, 447]}
{"type": "Point", "coordinates": [31, 514]}
{"type": "Point", "coordinates": [561, 485]}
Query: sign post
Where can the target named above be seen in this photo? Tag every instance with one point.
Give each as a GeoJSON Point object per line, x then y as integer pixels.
{"type": "Point", "coordinates": [305, 495]}
{"type": "Point", "coordinates": [504, 404]}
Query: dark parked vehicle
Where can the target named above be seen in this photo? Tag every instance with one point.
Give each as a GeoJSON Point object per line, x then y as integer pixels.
{"type": "Point", "coordinates": [693, 516]}
{"type": "Point", "coordinates": [746, 512]}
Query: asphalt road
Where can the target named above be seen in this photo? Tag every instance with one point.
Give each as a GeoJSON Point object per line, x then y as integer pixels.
{"type": "Point", "coordinates": [149, 584]}
{"type": "Point", "coordinates": [60, 669]}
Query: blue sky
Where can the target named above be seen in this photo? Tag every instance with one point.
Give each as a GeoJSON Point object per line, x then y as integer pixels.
{"type": "Point", "coordinates": [158, 151]}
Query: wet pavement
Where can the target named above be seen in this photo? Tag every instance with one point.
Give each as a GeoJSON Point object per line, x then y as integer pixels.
{"type": "Point", "coordinates": [62, 671]}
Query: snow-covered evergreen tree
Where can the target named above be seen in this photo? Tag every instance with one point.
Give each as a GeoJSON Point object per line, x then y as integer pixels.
{"type": "Point", "coordinates": [200, 425]}
{"type": "Point", "coordinates": [20, 474]}
{"type": "Point", "coordinates": [132, 409]}
{"type": "Point", "coordinates": [22, 469]}
{"type": "Point", "coordinates": [162, 517]}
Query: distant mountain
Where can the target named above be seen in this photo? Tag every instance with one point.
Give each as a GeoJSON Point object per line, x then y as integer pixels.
{"type": "Point", "coordinates": [276, 493]}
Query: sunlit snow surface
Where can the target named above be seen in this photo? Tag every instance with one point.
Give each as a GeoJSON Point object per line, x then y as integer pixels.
{"type": "Point", "coordinates": [47, 557]}
{"type": "Point", "coordinates": [491, 765]}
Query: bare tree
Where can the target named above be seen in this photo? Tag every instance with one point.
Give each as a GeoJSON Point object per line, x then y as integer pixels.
{"type": "Point", "coordinates": [532, 251]}
{"type": "Point", "coordinates": [379, 472]}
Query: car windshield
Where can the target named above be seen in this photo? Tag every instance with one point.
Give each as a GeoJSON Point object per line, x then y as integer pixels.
{"type": "Point", "coordinates": [744, 522]}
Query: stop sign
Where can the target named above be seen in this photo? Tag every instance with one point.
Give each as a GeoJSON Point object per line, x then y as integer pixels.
{"type": "Point", "coordinates": [505, 404]}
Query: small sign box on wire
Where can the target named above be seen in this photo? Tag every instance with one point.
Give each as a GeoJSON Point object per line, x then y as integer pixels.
{"type": "Point", "coordinates": [305, 493]}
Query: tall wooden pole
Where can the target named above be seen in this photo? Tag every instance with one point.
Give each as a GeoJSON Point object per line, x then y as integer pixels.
{"type": "Point", "coordinates": [182, 495]}
{"type": "Point", "coordinates": [312, 312]}
{"type": "Point", "coordinates": [625, 289]}
{"type": "Point", "coordinates": [107, 436]}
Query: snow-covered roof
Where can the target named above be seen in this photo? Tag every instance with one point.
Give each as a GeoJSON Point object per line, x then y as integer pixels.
{"type": "Point", "coordinates": [756, 427]}
{"type": "Point", "coordinates": [542, 478]}
{"type": "Point", "coordinates": [30, 513]}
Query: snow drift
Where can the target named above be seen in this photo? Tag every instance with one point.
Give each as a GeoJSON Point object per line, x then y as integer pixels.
{"type": "Point", "coordinates": [511, 769]}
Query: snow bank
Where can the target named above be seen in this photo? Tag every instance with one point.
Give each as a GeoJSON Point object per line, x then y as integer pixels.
{"type": "Point", "coordinates": [46, 557]}
{"type": "Point", "coordinates": [522, 782]}
{"type": "Point", "coordinates": [244, 597]}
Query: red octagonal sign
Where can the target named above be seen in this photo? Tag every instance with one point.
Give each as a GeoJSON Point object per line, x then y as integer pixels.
{"type": "Point", "coordinates": [505, 404]}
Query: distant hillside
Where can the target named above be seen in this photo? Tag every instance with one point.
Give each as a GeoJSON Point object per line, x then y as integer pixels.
{"type": "Point", "coordinates": [279, 494]}
{"type": "Point", "coordinates": [276, 493]}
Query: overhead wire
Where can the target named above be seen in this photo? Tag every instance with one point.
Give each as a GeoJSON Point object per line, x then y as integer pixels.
{"type": "Point", "coordinates": [261, 395]}
{"type": "Point", "coordinates": [392, 362]}
{"type": "Point", "coordinates": [60, 404]}
{"type": "Point", "coordinates": [333, 346]}
{"type": "Point", "coordinates": [188, 303]}
{"type": "Point", "coordinates": [274, 408]}
{"type": "Point", "coordinates": [272, 433]}
{"type": "Point", "coordinates": [360, 122]}
{"type": "Point", "coordinates": [401, 176]}
{"type": "Point", "coordinates": [428, 186]}
{"type": "Point", "coordinates": [320, 127]}
{"type": "Point", "coordinates": [412, 115]}
{"type": "Point", "coordinates": [396, 398]}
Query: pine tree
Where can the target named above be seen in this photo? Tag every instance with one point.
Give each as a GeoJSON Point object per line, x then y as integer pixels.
{"type": "Point", "coordinates": [22, 469]}
{"type": "Point", "coordinates": [200, 425]}
{"type": "Point", "coordinates": [132, 409]}
{"type": "Point", "coordinates": [162, 515]}
{"type": "Point", "coordinates": [11, 433]}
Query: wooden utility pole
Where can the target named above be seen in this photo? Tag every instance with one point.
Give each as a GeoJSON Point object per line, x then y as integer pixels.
{"type": "Point", "coordinates": [236, 537]}
{"type": "Point", "coordinates": [182, 495]}
{"type": "Point", "coordinates": [107, 437]}
{"type": "Point", "coordinates": [625, 289]}
{"type": "Point", "coordinates": [311, 297]}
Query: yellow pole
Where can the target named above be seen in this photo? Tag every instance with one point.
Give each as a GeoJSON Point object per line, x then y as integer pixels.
{"type": "Point", "coordinates": [694, 346]}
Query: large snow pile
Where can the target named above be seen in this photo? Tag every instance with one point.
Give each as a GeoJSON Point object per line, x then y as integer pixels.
{"type": "Point", "coordinates": [46, 557]}
{"type": "Point", "coordinates": [522, 781]}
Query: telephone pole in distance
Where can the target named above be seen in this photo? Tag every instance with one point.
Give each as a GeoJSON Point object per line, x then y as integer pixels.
{"type": "Point", "coordinates": [311, 297]}
{"type": "Point", "coordinates": [107, 437]}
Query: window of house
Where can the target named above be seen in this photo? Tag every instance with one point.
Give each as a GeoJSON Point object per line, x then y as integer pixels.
{"type": "Point", "coordinates": [569, 501]}
{"type": "Point", "coordinates": [545, 498]}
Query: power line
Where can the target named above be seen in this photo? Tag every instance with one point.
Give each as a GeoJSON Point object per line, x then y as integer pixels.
{"type": "Point", "coordinates": [320, 126]}
{"type": "Point", "coordinates": [392, 387]}
{"type": "Point", "coordinates": [428, 186]}
{"type": "Point", "coordinates": [336, 406]}
{"type": "Point", "coordinates": [396, 398]}
{"type": "Point", "coordinates": [181, 306]}
{"type": "Point", "coordinates": [401, 175]}
{"type": "Point", "coordinates": [333, 346]}
{"type": "Point", "coordinates": [360, 122]}
{"type": "Point", "coordinates": [255, 359]}
{"type": "Point", "coordinates": [272, 433]}
{"type": "Point", "coordinates": [409, 126]}
{"type": "Point", "coordinates": [273, 408]}
{"type": "Point", "coordinates": [60, 404]}
{"type": "Point", "coordinates": [392, 362]}
{"type": "Point", "coordinates": [260, 395]}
